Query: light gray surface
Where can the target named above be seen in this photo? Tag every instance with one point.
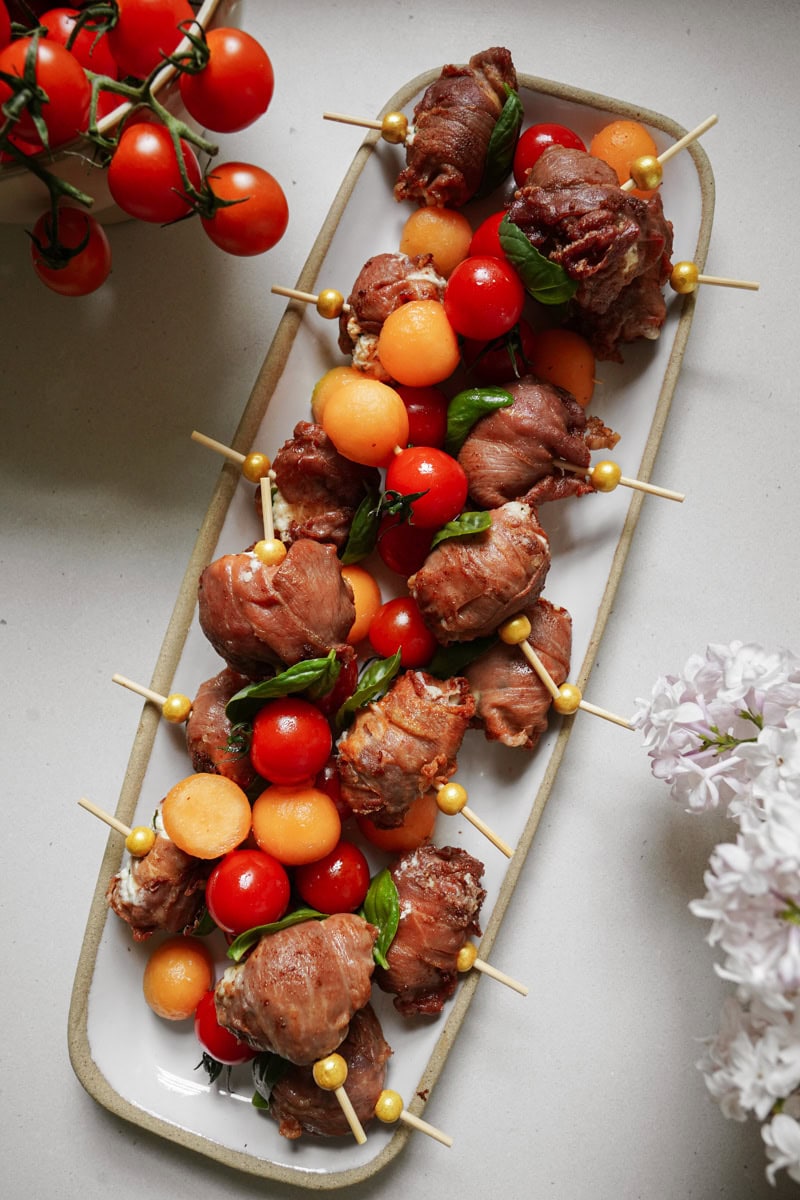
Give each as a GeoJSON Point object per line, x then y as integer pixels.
{"type": "Point", "coordinates": [587, 1088]}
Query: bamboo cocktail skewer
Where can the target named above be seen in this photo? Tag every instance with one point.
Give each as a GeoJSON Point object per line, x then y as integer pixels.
{"type": "Point", "coordinates": [175, 707]}
{"type": "Point", "coordinates": [646, 172]}
{"type": "Point", "coordinates": [389, 1108]}
{"type": "Point", "coordinates": [138, 841]}
{"type": "Point", "coordinates": [254, 466]}
{"type": "Point", "coordinates": [330, 1074]}
{"type": "Point", "coordinates": [451, 799]}
{"type": "Point", "coordinates": [468, 958]}
{"type": "Point", "coordinates": [607, 475]}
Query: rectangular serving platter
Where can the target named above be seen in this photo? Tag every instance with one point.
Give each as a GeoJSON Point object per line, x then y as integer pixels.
{"type": "Point", "coordinates": [149, 1077]}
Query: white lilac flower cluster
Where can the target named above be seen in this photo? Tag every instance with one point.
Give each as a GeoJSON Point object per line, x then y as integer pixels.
{"type": "Point", "coordinates": [725, 733]}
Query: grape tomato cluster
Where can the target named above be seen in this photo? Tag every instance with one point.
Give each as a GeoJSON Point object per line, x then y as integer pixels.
{"type": "Point", "coordinates": [61, 76]}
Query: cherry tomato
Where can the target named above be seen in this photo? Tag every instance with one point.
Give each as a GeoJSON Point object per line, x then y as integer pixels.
{"type": "Point", "coordinates": [291, 740]}
{"type": "Point", "coordinates": [496, 363]}
{"type": "Point", "coordinates": [91, 51]}
{"type": "Point", "coordinates": [236, 85]}
{"type": "Point", "coordinates": [427, 414]}
{"type": "Point", "coordinates": [336, 883]}
{"type": "Point", "coordinates": [403, 547]}
{"type": "Point", "coordinates": [535, 140]}
{"type": "Point", "coordinates": [485, 240]}
{"type": "Point", "coordinates": [61, 76]}
{"type": "Point", "coordinates": [86, 270]}
{"type": "Point", "coordinates": [260, 218]}
{"type": "Point", "coordinates": [398, 625]}
{"type": "Point", "coordinates": [145, 31]}
{"type": "Point", "coordinates": [144, 177]}
{"type": "Point", "coordinates": [247, 888]}
{"type": "Point", "coordinates": [5, 26]}
{"type": "Point", "coordinates": [327, 780]}
{"type": "Point", "coordinates": [436, 474]}
{"type": "Point", "coordinates": [346, 682]}
{"type": "Point", "coordinates": [216, 1040]}
{"type": "Point", "coordinates": [484, 297]}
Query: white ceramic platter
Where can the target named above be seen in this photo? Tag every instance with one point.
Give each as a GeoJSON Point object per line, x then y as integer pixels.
{"type": "Point", "coordinates": [149, 1076]}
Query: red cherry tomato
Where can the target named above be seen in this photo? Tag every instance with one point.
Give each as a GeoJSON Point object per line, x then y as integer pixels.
{"type": "Point", "coordinates": [259, 218]}
{"type": "Point", "coordinates": [403, 547]}
{"type": "Point", "coordinates": [534, 140]}
{"type": "Point", "coordinates": [216, 1040]}
{"type": "Point", "coordinates": [427, 414]}
{"type": "Point", "coordinates": [328, 781]}
{"type": "Point", "coordinates": [61, 77]}
{"type": "Point", "coordinates": [346, 683]}
{"type": "Point", "coordinates": [503, 362]}
{"type": "Point", "coordinates": [86, 270]}
{"type": "Point", "coordinates": [145, 31]}
{"type": "Point", "coordinates": [484, 297]}
{"type": "Point", "coordinates": [485, 240]}
{"type": "Point", "coordinates": [144, 177]}
{"type": "Point", "coordinates": [247, 888]}
{"type": "Point", "coordinates": [436, 474]}
{"type": "Point", "coordinates": [398, 625]}
{"type": "Point", "coordinates": [91, 51]}
{"type": "Point", "coordinates": [336, 883]}
{"type": "Point", "coordinates": [236, 85]}
{"type": "Point", "coordinates": [291, 740]}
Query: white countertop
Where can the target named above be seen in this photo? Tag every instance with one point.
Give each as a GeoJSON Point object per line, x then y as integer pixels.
{"type": "Point", "coordinates": [588, 1088]}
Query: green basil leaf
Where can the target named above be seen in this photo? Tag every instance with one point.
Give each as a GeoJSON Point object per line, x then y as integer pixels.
{"type": "Point", "coordinates": [241, 944]}
{"type": "Point", "coordinates": [322, 672]}
{"type": "Point", "coordinates": [375, 678]}
{"type": "Point", "coordinates": [211, 1066]}
{"type": "Point", "coordinates": [206, 925]}
{"type": "Point", "coordinates": [546, 281]}
{"type": "Point", "coordinates": [502, 143]}
{"type": "Point", "coordinates": [363, 530]}
{"type": "Point", "coordinates": [466, 408]}
{"type": "Point", "coordinates": [462, 526]}
{"type": "Point", "coordinates": [381, 908]}
{"type": "Point", "coordinates": [267, 1069]}
{"type": "Point", "coordinates": [451, 660]}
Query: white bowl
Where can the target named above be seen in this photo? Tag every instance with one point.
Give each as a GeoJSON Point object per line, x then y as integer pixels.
{"type": "Point", "coordinates": [23, 197]}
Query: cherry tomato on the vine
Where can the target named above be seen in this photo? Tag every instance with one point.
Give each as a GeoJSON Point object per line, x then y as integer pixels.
{"type": "Point", "coordinates": [403, 547]}
{"type": "Point", "coordinates": [91, 51]}
{"type": "Point", "coordinates": [484, 297]}
{"type": "Point", "coordinates": [427, 414]}
{"type": "Point", "coordinates": [144, 177]}
{"type": "Point", "coordinates": [146, 30]}
{"type": "Point", "coordinates": [216, 1040]}
{"type": "Point", "coordinates": [247, 888]}
{"type": "Point", "coordinates": [61, 77]}
{"type": "Point", "coordinates": [485, 240]}
{"type": "Point", "coordinates": [291, 740]}
{"type": "Point", "coordinates": [398, 625]}
{"type": "Point", "coordinates": [436, 474]}
{"type": "Point", "coordinates": [236, 85]}
{"type": "Point", "coordinates": [85, 271]}
{"type": "Point", "coordinates": [336, 883]}
{"type": "Point", "coordinates": [535, 140]}
{"type": "Point", "coordinates": [259, 218]}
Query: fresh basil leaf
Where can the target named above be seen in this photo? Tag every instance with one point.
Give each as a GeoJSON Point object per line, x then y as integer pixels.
{"type": "Point", "coordinates": [375, 678]}
{"type": "Point", "coordinates": [299, 678]}
{"type": "Point", "coordinates": [466, 408]}
{"type": "Point", "coordinates": [462, 526]}
{"type": "Point", "coordinates": [502, 143]}
{"type": "Point", "coordinates": [363, 530]}
{"type": "Point", "coordinates": [211, 1066]}
{"type": "Point", "coordinates": [267, 1069]}
{"type": "Point", "coordinates": [451, 660]}
{"type": "Point", "coordinates": [206, 925]}
{"type": "Point", "coordinates": [241, 944]}
{"type": "Point", "coordinates": [381, 908]}
{"type": "Point", "coordinates": [546, 281]}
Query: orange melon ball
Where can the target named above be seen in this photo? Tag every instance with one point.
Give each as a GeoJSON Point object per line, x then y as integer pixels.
{"type": "Point", "coordinates": [296, 823]}
{"type": "Point", "coordinates": [206, 815]}
{"type": "Point", "coordinates": [328, 383]}
{"type": "Point", "coordinates": [564, 358]}
{"type": "Point", "coordinates": [366, 419]}
{"type": "Point", "coordinates": [178, 974]}
{"type": "Point", "coordinates": [618, 144]}
{"type": "Point", "coordinates": [417, 344]}
{"type": "Point", "coordinates": [417, 827]}
{"type": "Point", "coordinates": [367, 597]}
{"type": "Point", "coordinates": [442, 232]}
